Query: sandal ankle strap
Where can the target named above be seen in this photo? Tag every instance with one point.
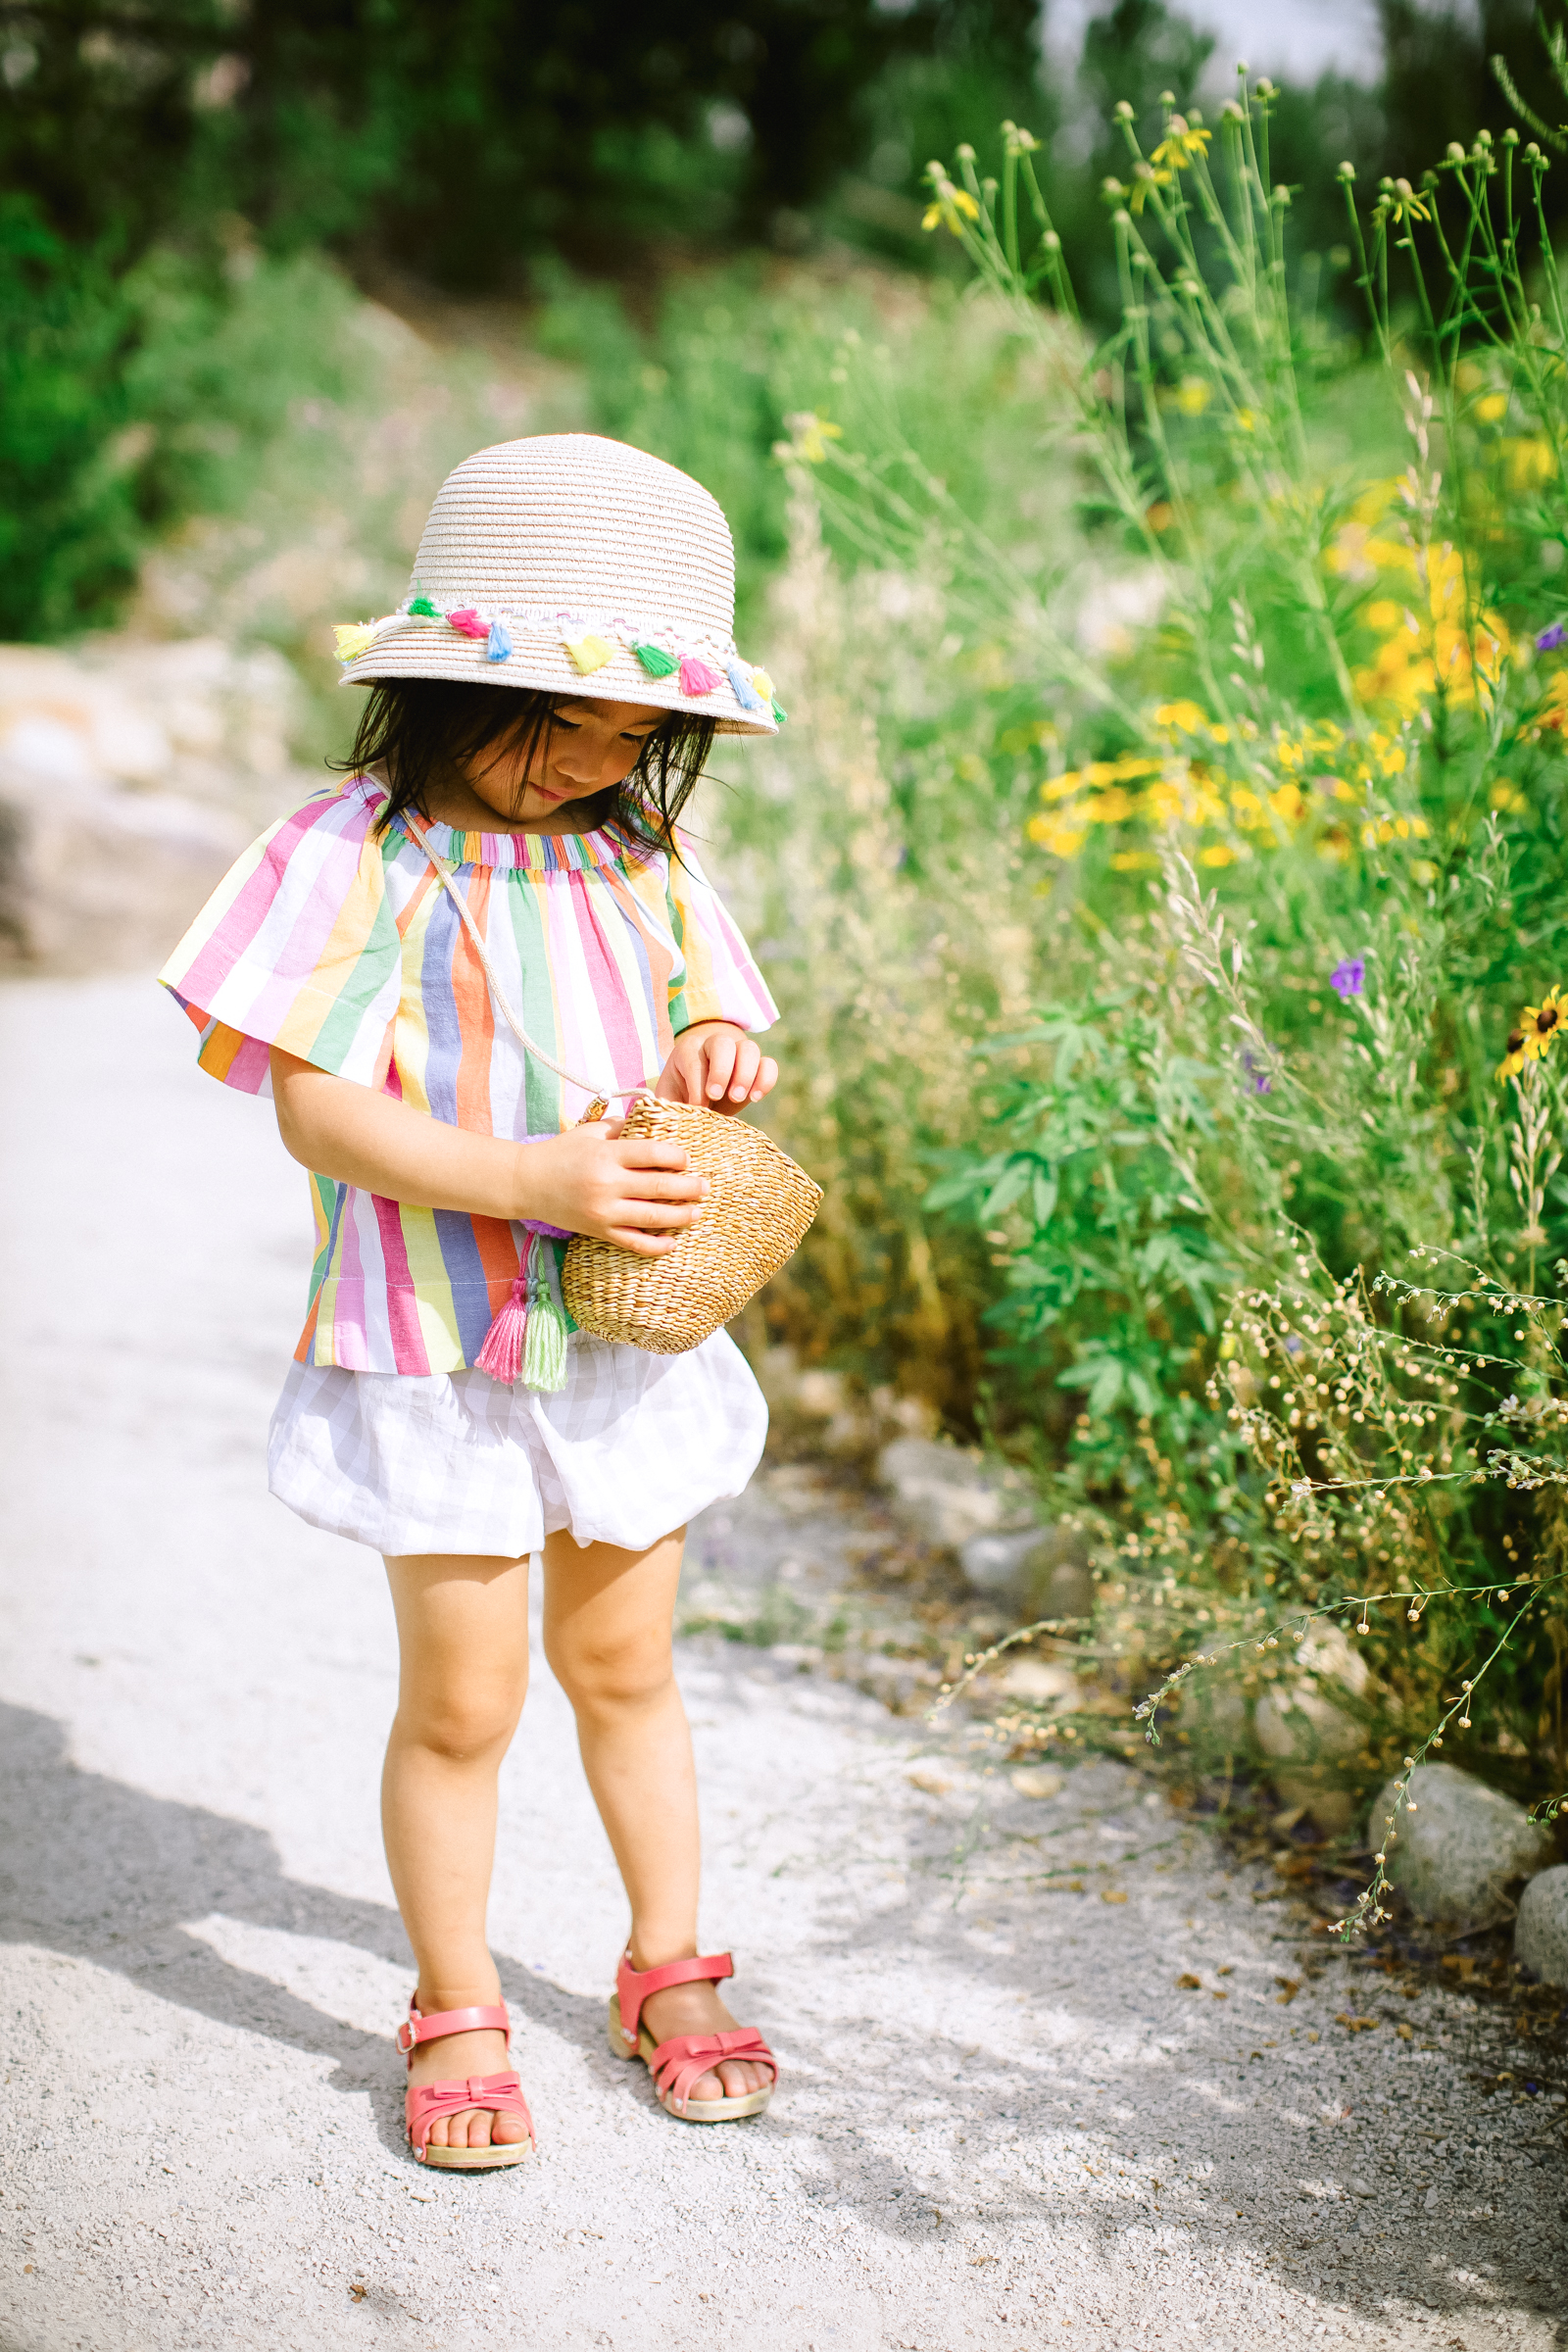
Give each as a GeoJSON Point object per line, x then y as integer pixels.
{"type": "Point", "coordinates": [417, 2028]}
{"type": "Point", "coordinates": [633, 1986]}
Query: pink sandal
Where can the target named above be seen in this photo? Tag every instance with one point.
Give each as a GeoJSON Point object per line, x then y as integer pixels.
{"type": "Point", "coordinates": [501, 2094]}
{"type": "Point", "coordinates": [675, 2065]}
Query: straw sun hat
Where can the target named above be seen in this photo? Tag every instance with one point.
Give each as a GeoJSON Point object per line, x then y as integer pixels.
{"type": "Point", "coordinates": [579, 566]}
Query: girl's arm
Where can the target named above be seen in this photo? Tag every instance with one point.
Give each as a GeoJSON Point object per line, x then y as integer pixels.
{"type": "Point", "coordinates": [589, 1180]}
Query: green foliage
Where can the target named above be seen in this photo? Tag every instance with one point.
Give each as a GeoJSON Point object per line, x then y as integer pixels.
{"type": "Point", "coordinates": [1094, 1187]}
{"type": "Point", "coordinates": [127, 400]}
{"type": "Point", "coordinates": [70, 532]}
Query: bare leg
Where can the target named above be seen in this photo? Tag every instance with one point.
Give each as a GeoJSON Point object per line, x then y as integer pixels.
{"type": "Point", "coordinates": [462, 1629]}
{"type": "Point", "coordinates": [608, 1620]}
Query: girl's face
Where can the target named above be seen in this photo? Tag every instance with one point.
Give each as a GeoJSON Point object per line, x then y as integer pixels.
{"type": "Point", "coordinates": [589, 746]}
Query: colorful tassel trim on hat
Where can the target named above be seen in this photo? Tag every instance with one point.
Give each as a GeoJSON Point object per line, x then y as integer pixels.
{"type": "Point", "coordinates": [588, 651]}
{"type": "Point", "coordinates": [746, 694]}
{"type": "Point", "coordinates": [655, 660]}
{"type": "Point", "coordinates": [696, 677]}
{"type": "Point", "coordinates": [528, 1337]}
{"type": "Point", "coordinates": [354, 638]}
{"type": "Point", "coordinates": [591, 645]}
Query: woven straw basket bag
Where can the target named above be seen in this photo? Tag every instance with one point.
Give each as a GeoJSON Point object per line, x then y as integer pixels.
{"type": "Point", "coordinates": [759, 1208]}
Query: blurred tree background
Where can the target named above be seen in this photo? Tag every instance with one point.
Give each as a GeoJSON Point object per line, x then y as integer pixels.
{"type": "Point", "coordinates": [156, 154]}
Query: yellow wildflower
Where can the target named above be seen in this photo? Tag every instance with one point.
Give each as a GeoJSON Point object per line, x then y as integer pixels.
{"type": "Point", "coordinates": [1529, 461]}
{"type": "Point", "coordinates": [1492, 409]}
{"type": "Point", "coordinates": [1216, 854]}
{"type": "Point", "coordinates": [811, 437]}
{"type": "Point", "coordinates": [1542, 1022]}
{"type": "Point", "coordinates": [1144, 181]}
{"type": "Point", "coordinates": [1185, 716]}
{"type": "Point", "coordinates": [1055, 834]}
{"type": "Point", "coordinates": [950, 208]}
{"type": "Point", "coordinates": [1513, 1061]}
{"type": "Point", "coordinates": [1406, 205]}
{"type": "Point", "coordinates": [1193, 396]}
{"type": "Point", "coordinates": [1180, 146]}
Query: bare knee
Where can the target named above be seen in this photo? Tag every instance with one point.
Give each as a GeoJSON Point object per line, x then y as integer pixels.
{"type": "Point", "coordinates": [461, 1726]}
{"type": "Point", "coordinates": [611, 1677]}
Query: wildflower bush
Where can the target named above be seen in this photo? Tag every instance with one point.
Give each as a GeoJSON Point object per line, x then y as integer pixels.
{"type": "Point", "coordinates": [1259, 744]}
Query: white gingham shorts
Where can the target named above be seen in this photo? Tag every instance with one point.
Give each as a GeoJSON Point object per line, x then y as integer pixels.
{"type": "Point", "coordinates": [630, 1449]}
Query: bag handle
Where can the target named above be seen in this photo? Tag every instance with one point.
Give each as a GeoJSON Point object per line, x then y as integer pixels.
{"type": "Point", "coordinates": [603, 1096]}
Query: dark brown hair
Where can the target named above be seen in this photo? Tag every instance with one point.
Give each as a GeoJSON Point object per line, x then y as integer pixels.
{"type": "Point", "coordinates": [425, 731]}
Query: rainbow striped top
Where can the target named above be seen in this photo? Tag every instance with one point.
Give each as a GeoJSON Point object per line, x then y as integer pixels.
{"type": "Point", "coordinates": [333, 938]}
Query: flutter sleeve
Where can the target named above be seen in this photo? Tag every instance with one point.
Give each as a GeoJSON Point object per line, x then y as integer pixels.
{"type": "Point", "coordinates": [713, 977]}
{"type": "Point", "coordinates": [297, 948]}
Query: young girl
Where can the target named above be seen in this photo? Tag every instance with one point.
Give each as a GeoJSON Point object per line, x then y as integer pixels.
{"type": "Point", "coordinates": [502, 862]}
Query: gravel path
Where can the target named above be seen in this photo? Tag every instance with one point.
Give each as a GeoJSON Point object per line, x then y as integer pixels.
{"type": "Point", "coordinates": [1003, 2123]}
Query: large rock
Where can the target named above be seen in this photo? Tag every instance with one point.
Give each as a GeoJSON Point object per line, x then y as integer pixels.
{"type": "Point", "coordinates": [1460, 1854]}
{"type": "Point", "coordinates": [131, 774]}
{"type": "Point", "coordinates": [1541, 1935]}
{"type": "Point", "coordinates": [1305, 1725]}
{"type": "Point", "coordinates": [943, 1496]}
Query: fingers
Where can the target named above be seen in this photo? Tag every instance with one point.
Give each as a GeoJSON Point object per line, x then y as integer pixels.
{"type": "Point", "coordinates": [645, 1152]}
{"type": "Point", "coordinates": [640, 1245]}
{"type": "Point", "coordinates": [722, 1052]}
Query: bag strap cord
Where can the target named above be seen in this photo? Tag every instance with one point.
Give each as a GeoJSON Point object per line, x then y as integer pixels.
{"type": "Point", "coordinates": [603, 1095]}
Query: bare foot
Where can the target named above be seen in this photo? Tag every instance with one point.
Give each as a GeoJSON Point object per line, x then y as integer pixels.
{"type": "Point", "coordinates": [697, 2009]}
{"type": "Point", "coordinates": [454, 2058]}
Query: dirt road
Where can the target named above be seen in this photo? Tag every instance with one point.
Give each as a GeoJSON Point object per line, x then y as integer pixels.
{"type": "Point", "coordinates": [1004, 2122]}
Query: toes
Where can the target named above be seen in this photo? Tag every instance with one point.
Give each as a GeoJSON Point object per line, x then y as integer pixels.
{"type": "Point", "coordinates": [480, 2120]}
{"type": "Point", "coordinates": [507, 2129]}
{"type": "Point", "coordinates": [707, 2086]}
{"type": "Point", "coordinates": [740, 2078]}
{"type": "Point", "coordinates": [438, 2133]}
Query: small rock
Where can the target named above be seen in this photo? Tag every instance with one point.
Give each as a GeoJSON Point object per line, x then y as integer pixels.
{"type": "Point", "coordinates": [944, 1497]}
{"type": "Point", "coordinates": [1039, 1680]}
{"type": "Point", "coordinates": [1036, 1780]}
{"type": "Point", "coordinates": [1540, 1938]}
{"type": "Point", "coordinates": [999, 1563]}
{"type": "Point", "coordinates": [1455, 1857]}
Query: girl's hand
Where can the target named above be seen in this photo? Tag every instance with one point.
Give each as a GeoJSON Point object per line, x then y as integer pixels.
{"type": "Point", "coordinates": [718, 1066]}
{"type": "Point", "coordinates": [636, 1193]}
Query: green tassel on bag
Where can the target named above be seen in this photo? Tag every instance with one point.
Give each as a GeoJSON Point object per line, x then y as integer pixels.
{"type": "Point", "coordinates": [543, 1348]}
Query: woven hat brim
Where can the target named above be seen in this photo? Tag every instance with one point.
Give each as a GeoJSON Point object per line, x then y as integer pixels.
{"type": "Point", "coordinates": [420, 650]}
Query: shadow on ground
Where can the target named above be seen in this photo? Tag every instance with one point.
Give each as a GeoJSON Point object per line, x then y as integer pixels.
{"type": "Point", "coordinates": [106, 1874]}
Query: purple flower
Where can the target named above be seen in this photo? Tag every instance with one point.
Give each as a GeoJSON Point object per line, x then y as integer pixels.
{"type": "Point", "coordinates": [1549, 639]}
{"type": "Point", "coordinates": [1347, 979]}
{"type": "Point", "coordinates": [1258, 1081]}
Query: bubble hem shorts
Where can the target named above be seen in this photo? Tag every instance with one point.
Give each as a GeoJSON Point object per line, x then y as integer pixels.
{"type": "Point", "coordinates": [631, 1447]}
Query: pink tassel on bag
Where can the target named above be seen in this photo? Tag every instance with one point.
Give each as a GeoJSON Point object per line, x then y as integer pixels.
{"type": "Point", "coordinates": [502, 1353]}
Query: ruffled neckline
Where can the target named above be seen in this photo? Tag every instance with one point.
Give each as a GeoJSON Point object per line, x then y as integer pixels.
{"type": "Point", "coordinates": [525, 853]}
